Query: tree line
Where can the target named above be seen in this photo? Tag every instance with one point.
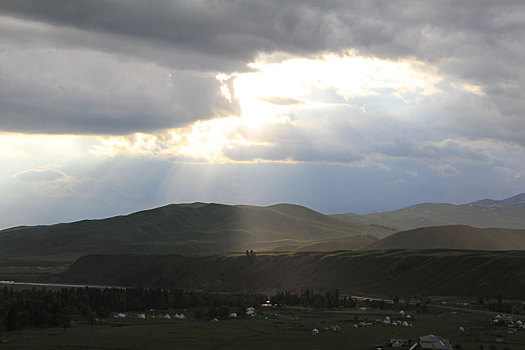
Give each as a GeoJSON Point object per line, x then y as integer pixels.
{"type": "Point", "coordinates": [49, 307]}
{"type": "Point", "coordinates": [57, 307]}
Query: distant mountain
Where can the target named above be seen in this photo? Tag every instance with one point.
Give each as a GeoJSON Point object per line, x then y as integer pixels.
{"type": "Point", "coordinates": [515, 201]}
{"type": "Point", "coordinates": [453, 237]}
{"type": "Point", "coordinates": [197, 228]}
{"type": "Point", "coordinates": [507, 213]}
{"type": "Point", "coordinates": [385, 272]}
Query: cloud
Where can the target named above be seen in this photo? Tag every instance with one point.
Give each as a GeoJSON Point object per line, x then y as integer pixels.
{"type": "Point", "coordinates": [39, 175]}
{"type": "Point", "coordinates": [87, 92]}
{"type": "Point", "coordinates": [460, 150]}
{"type": "Point", "coordinates": [479, 44]}
{"type": "Point", "coordinates": [507, 172]}
{"type": "Point", "coordinates": [283, 101]}
{"type": "Point", "coordinates": [289, 153]}
{"type": "Point", "coordinates": [445, 170]}
{"type": "Point", "coordinates": [50, 181]}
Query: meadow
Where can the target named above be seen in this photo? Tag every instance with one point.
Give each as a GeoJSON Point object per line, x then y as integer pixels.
{"type": "Point", "coordinates": [278, 328]}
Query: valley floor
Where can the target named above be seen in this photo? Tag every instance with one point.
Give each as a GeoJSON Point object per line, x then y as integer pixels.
{"type": "Point", "coordinates": [272, 328]}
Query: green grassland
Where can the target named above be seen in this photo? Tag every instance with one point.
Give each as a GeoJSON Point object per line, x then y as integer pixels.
{"type": "Point", "coordinates": [201, 228]}
{"type": "Point", "coordinates": [277, 328]}
{"type": "Point", "coordinates": [196, 228]}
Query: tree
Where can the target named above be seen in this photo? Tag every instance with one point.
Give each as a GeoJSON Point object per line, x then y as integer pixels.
{"type": "Point", "coordinates": [65, 321]}
{"type": "Point", "coordinates": [11, 322]}
{"type": "Point", "coordinates": [91, 319]}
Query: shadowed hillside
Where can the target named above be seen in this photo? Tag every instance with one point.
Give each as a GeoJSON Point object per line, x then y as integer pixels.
{"type": "Point", "coordinates": [453, 237]}
{"type": "Point", "coordinates": [197, 228]}
{"type": "Point", "coordinates": [431, 272]}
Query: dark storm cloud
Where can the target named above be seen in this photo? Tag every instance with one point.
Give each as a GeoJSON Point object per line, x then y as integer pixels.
{"type": "Point", "coordinates": [232, 32]}
{"type": "Point", "coordinates": [478, 42]}
{"type": "Point", "coordinates": [42, 91]}
{"type": "Point", "coordinates": [238, 30]}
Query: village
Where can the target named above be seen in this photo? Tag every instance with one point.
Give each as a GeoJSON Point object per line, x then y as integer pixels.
{"type": "Point", "coordinates": [397, 324]}
{"type": "Point", "coordinates": [312, 320]}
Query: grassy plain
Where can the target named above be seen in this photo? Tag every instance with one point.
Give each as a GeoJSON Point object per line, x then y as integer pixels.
{"type": "Point", "coordinates": [273, 328]}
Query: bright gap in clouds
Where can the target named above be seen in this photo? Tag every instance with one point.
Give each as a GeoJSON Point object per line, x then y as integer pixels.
{"type": "Point", "coordinates": [278, 93]}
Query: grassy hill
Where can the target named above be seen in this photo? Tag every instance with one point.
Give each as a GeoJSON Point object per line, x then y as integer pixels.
{"type": "Point", "coordinates": [439, 214]}
{"type": "Point", "coordinates": [514, 201]}
{"type": "Point", "coordinates": [453, 237]}
{"type": "Point", "coordinates": [390, 272]}
{"type": "Point", "coordinates": [196, 228]}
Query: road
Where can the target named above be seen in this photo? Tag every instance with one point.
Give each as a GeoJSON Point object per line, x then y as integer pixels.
{"type": "Point", "coordinates": [64, 285]}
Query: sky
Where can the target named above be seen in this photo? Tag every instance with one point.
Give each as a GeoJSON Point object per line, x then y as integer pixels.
{"type": "Point", "coordinates": [110, 107]}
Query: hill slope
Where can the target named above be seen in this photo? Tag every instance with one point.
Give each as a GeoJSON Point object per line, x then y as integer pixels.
{"type": "Point", "coordinates": [453, 237]}
{"type": "Point", "coordinates": [514, 201]}
{"type": "Point", "coordinates": [186, 229]}
{"type": "Point", "coordinates": [393, 272]}
{"type": "Point", "coordinates": [438, 214]}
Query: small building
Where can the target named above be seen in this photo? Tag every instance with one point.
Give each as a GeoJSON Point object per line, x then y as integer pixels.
{"type": "Point", "coordinates": [500, 339]}
{"type": "Point", "coordinates": [398, 343]}
{"type": "Point", "coordinates": [434, 342]}
{"type": "Point", "coordinates": [268, 303]}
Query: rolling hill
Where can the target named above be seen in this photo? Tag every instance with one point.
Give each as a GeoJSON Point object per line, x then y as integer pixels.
{"type": "Point", "coordinates": [385, 272]}
{"type": "Point", "coordinates": [453, 237]}
{"type": "Point", "coordinates": [507, 213]}
{"type": "Point", "coordinates": [517, 201]}
{"type": "Point", "coordinates": [197, 228]}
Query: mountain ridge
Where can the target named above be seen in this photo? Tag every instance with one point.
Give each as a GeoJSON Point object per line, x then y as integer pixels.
{"type": "Point", "coordinates": [438, 214]}
{"type": "Point", "coordinates": [212, 228]}
{"type": "Point", "coordinates": [514, 201]}
{"type": "Point", "coordinates": [194, 228]}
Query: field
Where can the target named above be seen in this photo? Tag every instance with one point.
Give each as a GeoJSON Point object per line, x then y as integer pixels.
{"type": "Point", "coordinates": [277, 328]}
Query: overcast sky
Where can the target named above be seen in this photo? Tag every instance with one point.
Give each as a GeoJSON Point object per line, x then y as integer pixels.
{"type": "Point", "coordinates": [109, 107]}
